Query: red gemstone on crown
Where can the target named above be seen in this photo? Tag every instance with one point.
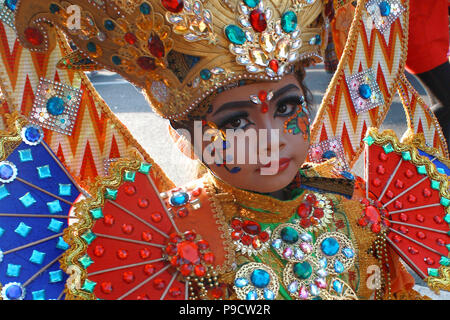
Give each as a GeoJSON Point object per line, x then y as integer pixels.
{"type": "Point", "coordinates": [429, 261]}
{"type": "Point", "coordinates": [397, 238]}
{"type": "Point", "coordinates": [389, 194]}
{"type": "Point", "coordinates": [203, 244]}
{"type": "Point", "coordinates": [196, 192]}
{"type": "Point", "coordinates": [246, 239]}
{"type": "Point", "coordinates": [130, 38]}
{"type": "Point", "coordinates": [34, 36]}
{"type": "Point", "coordinates": [399, 184]}
{"type": "Point", "coordinates": [146, 63]}
{"type": "Point", "coordinates": [318, 213]}
{"type": "Point", "coordinates": [236, 235]}
{"type": "Point", "coordinates": [376, 182]}
{"type": "Point", "coordinates": [127, 228]}
{"type": "Point", "coordinates": [403, 217]}
{"type": "Point", "coordinates": [375, 228]}
{"type": "Point", "coordinates": [420, 217]}
{"type": "Point", "coordinates": [209, 257]}
{"type": "Point", "coordinates": [143, 203]}
{"type": "Point", "coordinates": [413, 250]}
{"type": "Point", "coordinates": [186, 269]}
{"type": "Point", "coordinates": [251, 227]}
{"type": "Point", "coordinates": [409, 173]}
{"type": "Point", "coordinates": [174, 6]}
{"type": "Point", "coordinates": [156, 217]}
{"type": "Point", "coordinates": [156, 46]}
{"type": "Point", "coordinates": [412, 198]}
{"type": "Point", "coordinates": [258, 20]}
{"type": "Point", "coordinates": [438, 219]}
{"type": "Point", "coordinates": [273, 64]}
{"type": "Point", "coordinates": [190, 235]}
{"type": "Point", "coordinates": [305, 223]}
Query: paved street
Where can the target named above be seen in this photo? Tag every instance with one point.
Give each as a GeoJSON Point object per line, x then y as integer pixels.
{"type": "Point", "coordinates": [130, 106]}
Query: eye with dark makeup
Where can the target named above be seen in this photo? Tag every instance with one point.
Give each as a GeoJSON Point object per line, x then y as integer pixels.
{"type": "Point", "coordinates": [287, 106]}
{"type": "Point", "coordinates": [238, 120]}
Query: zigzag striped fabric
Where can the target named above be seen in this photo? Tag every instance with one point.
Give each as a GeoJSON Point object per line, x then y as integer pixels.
{"type": "Point", "coordinates": [384, 53]}
{"type": "Point", "coordinates": [97, 136]}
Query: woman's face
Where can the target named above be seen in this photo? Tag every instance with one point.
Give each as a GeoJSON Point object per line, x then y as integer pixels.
{"type": "Point", "coordinates": [255, 165]}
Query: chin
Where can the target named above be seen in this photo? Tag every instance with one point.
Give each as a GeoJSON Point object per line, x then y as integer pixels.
{"type": "Point", "coordinates": [272, 183]}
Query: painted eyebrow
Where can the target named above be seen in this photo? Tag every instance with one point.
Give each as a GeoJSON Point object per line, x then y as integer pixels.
{"type": "Point", "coordinates": [247, 103]}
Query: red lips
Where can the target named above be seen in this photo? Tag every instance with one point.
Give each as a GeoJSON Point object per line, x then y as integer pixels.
{"type": "Point", "coordinates": [283, 163]}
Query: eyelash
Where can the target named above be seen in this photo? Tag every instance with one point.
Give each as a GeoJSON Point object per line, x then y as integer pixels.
{"type": "Point", "coordinates": [228, 121]}
{"type": "Point", "coordinates": [293, 101]}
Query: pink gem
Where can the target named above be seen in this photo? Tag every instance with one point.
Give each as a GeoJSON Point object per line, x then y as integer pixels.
{"type": "Point", "coordinates": [303, 293]}
{"type": "Point", "coordinates": [321, 283]}
{"type": "Point", "coordinates": [306, 247]}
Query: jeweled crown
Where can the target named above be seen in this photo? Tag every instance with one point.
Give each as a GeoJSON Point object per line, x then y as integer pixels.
{"type": "Point", "coordinates": [180, 51]}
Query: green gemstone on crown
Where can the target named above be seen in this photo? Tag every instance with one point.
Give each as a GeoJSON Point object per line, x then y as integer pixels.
{"type": "Point", "coordinates": [235, 34]}
{"type": "Point", "coordinates": [446, 202]}
{"type": "Point", "coordinates": [289, 21]}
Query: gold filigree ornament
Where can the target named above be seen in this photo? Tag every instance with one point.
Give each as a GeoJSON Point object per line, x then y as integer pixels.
{"type": "Point", "coordinates": [337, 250]}
{"type": "Point", "coordinates": [256, 281]}
{"type": "Point", "coordinates": [178, 51]}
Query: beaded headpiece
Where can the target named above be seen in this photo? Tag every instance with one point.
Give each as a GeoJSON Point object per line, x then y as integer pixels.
{"type": "Point", "coordinates": [180, 51]}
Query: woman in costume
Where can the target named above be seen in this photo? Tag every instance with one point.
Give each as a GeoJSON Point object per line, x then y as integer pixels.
{"type": "Point", "coordinates": [307, 230]}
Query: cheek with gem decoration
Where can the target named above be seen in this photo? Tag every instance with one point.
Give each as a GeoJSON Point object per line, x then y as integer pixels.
{"type": "Point", "coordinates": [299, 122]}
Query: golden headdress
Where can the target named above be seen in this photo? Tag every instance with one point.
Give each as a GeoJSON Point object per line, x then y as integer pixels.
{"type": "Point", "coordinates": [181, 51]}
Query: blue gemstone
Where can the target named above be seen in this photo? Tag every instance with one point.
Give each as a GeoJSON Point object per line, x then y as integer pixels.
{"type": "Point", "coordinates": [348, 253]}
{"type": "Point", "coordinates": [365, 91]}
{"type": "Point", "coordinates": [11, 4]}
{"type": "Point", "coordinates": [37, 257]}
{"type": "Point", "coordinates": [55, 276]}
{"type": "Point", "coordinates": [268, 294]}
{"type": "Point", "coordinates": [55, 106]}
{"type": "Point", "coordinates": [205, 74]}
{"type": "Point", "coordinates": [55, 225]}
{"type": "Point", "coordinates": [23, 229]}
{"type": "Point", "coordinates": [38, 295]}
{"type": "Point", "coordinates": [235, 170]}
{"type": "Point", "coordinates": [338, 266]}
{"type": "Point", "coordinates": [61, 244]}
{"type": "Point", "coordinates": [385, 8]}
{"type": "Point", "coordinates": [289, 21]}
{"type": "Point", "coordinates": [260, 278]}
{"type": "Point", "coordinates": [240, 282]}
{"type": "Point", "coordinates": [330, 246]}
{"type": "Point", "coordinates": [27, 200]}
{"type": "Point", "coordinates": [14, 292]}
{"type": "Point", "coordinates": [277, 243]}
{"type": "Point", "coordinates": [347, 175]}
{"type": "Point", "coordinates": [6, 171]}
{"type": "Point", "coordinates": [179, 198]}
{"type": "Point", "coordinates": [252, 295]}
{"type": "Point", "coordinates": [235, 34]}
{"type": "Point", "coordinates": [13, 270]}
{"type": "Point", "coordinates": [337, 286]}
{"type": "Point", "coordinates": [329, 154]}
{"type": "Point", "coordinates": [116, 60]}
{"type": "Point", "coordinates": [92, 47]}
{"type": "Point", "coordinates": [289, 235]}
{"type": "Point", "coordinates": [145, 8]}
{"type": "Point", "coordinates": [32, 134]}
{"type": "Point", "coordinates": [25, 155]}
{"type": "Point", "coordinates": [54, 8]}
{"type": "Point", "coordinates": [252, 3]}
{"type": "Point", "coordinates": [109, 25]}
{"type": "Point", "coordinates": [3, 192]}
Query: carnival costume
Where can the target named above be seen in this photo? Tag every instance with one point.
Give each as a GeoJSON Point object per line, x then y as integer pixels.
{"type": "Point", "coordinates": [70, 230]}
